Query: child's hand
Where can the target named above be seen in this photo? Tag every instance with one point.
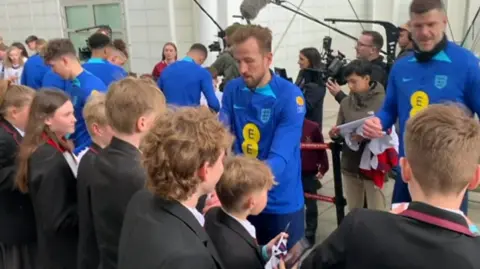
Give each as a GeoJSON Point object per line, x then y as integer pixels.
{"type": "Point", "coordinates": [275, 241]}
{"type": "Point", "coordinates": [319, 175]}
{"type": "Point", "coordinates": [281, 265]}
{"type": "Point", "coordinates": [334, 132]}
{"type": "Point", "coordinates": [211, 202]}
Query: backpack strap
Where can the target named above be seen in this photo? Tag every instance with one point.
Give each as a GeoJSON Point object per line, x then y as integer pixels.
{"type": "Point", "coordinates": [446, 224]}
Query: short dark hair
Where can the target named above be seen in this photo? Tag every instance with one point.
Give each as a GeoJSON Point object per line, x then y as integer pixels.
{"type": "Point", "coordinates": [200, 47]}
{"type": "Point", "coordinates": [31, 39]}
{"type": "Point", "coordinates": [358, 67]}
{"type": "Point", "coordinates": [58, 47]}
{"type": "Point", "coordinates": [377, 38]}
{"type": "Point", "coordinates": [98, 41]}
{"type": "Point", "coordinates": [424, 6]}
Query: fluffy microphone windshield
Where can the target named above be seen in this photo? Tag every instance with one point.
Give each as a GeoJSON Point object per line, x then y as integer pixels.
{"type": "Point", "coordinates": [250, 8]}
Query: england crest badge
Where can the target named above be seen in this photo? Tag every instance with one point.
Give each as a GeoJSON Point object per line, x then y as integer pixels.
{"type": "Point", "coordinates": [441, 81]}
{"type": "Point", "coordinates": [265, 115]}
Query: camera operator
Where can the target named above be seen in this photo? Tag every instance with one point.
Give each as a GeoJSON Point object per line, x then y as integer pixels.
{"type": "Point", "coordinates": [314, 93]}
{"type": "Point", "coordinates": [225, 65]}
{"type": "Point", "coordinates": [368, 47]}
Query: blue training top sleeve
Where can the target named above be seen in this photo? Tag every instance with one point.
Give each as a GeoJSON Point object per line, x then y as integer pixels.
{"type": "Point", "coordinates": [101, 87]}
{"type": "Point", "coordinates": [208, 91]}
{"type": "Point", "coordinates": [472, 86]}
{"type": "Point", "coordinates": [288, 133]}
{"type": "Point", "coordinates": [226, 111]}
{"type": "Point", "coordinates": [52, 80]}
{"type": "Point", "coordinates": [160, 83]}
{"type": "Point", "coordinates": [389, 112]}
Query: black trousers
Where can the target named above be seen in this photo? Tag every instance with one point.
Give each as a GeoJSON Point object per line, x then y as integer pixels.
{"type": "Point", "coordinates": [310, 185]}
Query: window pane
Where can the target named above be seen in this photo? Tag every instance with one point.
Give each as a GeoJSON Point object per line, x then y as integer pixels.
{"type": "Point", "coordinates": [118, 35]}
{"type": "Point", "coordinates": [77, 17]}
{"type": "Point", "coordinates": [108, 14]}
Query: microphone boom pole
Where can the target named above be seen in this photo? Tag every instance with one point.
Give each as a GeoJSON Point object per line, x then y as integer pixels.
{"type": "Point", "coordinates": [209, 16]}
{"type": "Point", "coordinates": [279, 3]}
{"type": "Point", "coordinates": [221, 33]}
{"type": "Point", "coordinates": [470, 27]}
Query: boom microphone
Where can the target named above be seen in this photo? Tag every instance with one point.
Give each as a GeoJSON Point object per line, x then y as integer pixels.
{"type": "Point", "coordinates": [250, 8]}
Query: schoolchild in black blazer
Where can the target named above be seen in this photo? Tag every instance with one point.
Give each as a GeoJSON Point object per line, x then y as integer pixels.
{"type": "Point", "coordinates": [131, 107]}
{"type": "Point", "coordinates": [101, 134]}
{"type": "Point", "coordinates": [18, 239]}
{"type": "Point", "coordinates": [242, 191]}
{"type": "Point", "coordinates": [47, 172]}
{"type": "Point", "coordinates": [440, 164]}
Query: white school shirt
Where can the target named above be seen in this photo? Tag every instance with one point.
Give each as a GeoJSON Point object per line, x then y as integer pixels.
{"type": "Point", "coordinates": [12, 71]}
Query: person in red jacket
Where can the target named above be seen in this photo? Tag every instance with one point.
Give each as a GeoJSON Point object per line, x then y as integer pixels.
{"type": "Point", "coordinates": [169, 55]}
{"type": "Point", "coordinates": [314, 167]}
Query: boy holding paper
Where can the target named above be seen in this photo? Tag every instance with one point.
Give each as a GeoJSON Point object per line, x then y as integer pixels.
{"type": "Point", "coordinates": [243, 191]}
{"type": "Point", "coordinates": [366, 97]}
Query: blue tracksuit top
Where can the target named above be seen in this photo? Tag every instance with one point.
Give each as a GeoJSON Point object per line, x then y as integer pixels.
{"type": "Point", "coordinates": [33, 72]}
{"type": "Point", "coordinates": [79, 90]}
{"type": "Point", "coordinates": [268, 125]}
{"type": "Point", "coordinates": [105, 70]}
{"type": "Point", "coordinates": [453, 75]}
{"type": "Point", "coordinates": [183, 82]}
{"type": "Point", "coordinates": [53, 80]}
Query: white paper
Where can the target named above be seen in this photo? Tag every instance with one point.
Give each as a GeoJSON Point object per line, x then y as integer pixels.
{"type": "Point", "coordinates": [350, 127]}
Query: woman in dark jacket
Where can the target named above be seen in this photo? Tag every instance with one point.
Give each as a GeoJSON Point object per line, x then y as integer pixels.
{"type": "Point", "coordinates": [310, 63]}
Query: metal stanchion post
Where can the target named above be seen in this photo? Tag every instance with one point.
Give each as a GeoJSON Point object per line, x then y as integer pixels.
{"type": "Point", "coordinates": [340, 202]}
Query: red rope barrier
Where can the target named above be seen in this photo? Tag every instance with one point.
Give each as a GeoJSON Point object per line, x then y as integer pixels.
{"type": "Point", "coordinates": [317, 197]}
{"type": "Point", "coordinates": [314, 146]}
{"type": "Point", "coordinates": [320, 197]}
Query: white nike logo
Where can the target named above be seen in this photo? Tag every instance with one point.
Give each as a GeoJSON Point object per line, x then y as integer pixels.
{"type": "Point", "coordinates": [407, 79]}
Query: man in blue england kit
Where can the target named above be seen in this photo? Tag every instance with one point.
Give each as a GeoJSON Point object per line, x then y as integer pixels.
{"type": "Point", "coordinates": [438, 71]}
{"type": "Point", "coordinates": [101, 47]}
{"type": "Point", "coordinates": [184, 81]}
{"type": "Point", "coordinates": [60, 55]}
{"type": "Point", "coordinates": [266, 113]}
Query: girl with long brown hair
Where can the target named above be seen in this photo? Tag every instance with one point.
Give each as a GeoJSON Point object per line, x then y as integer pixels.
{"type": "Point", "coordinates": [169, 56]}
{"type": "Point", "coordinates": [17, 221]}
{"type": "Point", "coordinates": [47, 171]}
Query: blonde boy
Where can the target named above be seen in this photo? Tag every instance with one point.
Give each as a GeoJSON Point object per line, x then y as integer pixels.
{"type": "Point", "coordinates": [97, 124]}
{"type": "Point", "coordinates": [242, 191]}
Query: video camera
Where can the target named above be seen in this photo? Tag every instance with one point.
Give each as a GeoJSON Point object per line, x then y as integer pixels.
{"type": "Point", "coordinates": [85, 53]}
{"type": "Point", "coordinates": [333, 63]}
{"type": "Point", "coordinates": [331, 66]}
{"type": "Point", "coordinates": [216, 46]}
